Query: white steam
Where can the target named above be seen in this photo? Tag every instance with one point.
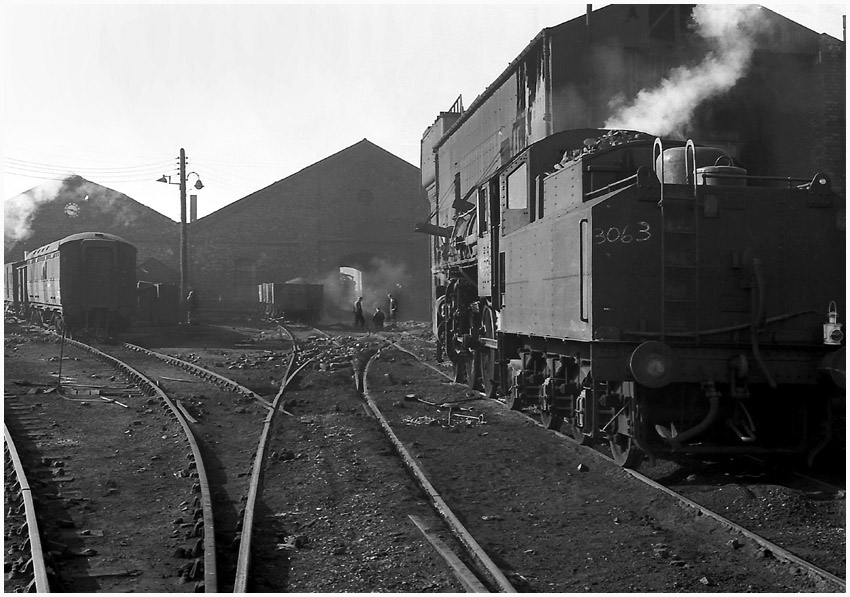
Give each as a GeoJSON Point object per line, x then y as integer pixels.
{"type": "Point", "coordinates": [381, 277]}
{"type": "Point", "coordinates": [18, 211]}
{"type": "Point", "coordinates": [730, 32]}
{"type": "Point", "coordinates": [108, 210]}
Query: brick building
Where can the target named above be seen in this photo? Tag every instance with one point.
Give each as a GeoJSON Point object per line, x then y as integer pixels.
{"type": "Point", "coordinates": [353, 210]}
{"type": "Point", "coordinates": [56, 209]}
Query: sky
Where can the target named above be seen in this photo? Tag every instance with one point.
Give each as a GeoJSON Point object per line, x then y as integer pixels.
{"type": "Point", "coordinates": [254, 93]}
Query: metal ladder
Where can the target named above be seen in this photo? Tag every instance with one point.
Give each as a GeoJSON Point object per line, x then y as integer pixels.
{"type": "Point", "coordinates": [679, 251]}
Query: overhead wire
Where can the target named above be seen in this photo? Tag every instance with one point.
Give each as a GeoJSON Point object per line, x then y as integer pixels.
{"type": "Point", "coordinates": [146, 167]}
{"type": "Point", "coordinates": [110, 174]}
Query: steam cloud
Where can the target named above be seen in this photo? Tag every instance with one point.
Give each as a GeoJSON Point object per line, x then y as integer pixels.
{"type": "Point", "coordinates": [730, 32]}
{"type": "Point", "coordinates": [110, 209]}
{"type": "Point", "coordinates": [379, 278]}
{"type": "Point", "coordinates": [19, 210]}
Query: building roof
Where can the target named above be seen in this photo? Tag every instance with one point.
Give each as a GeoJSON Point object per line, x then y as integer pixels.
{"type": "Point", "coordinates": [248, 201]}
{"type": "Point", "coordinates": [56, 209]}
{"type": "Point", "coordinates": [794, 37]}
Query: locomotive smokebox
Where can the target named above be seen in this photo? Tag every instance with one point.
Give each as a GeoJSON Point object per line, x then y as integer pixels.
{"type": "Point", "coordinates": [713, 167]}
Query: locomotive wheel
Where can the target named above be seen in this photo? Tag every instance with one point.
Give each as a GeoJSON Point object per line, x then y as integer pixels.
{"type": "Point", "coordinates": [624, 451]}
{"type": "Point", "coordinates": [459, 367]}
{"type": "Point", "coordinates": [473, 370]}
{"type": "Point", "coordinates": [624, 448]}
{"type": "Point", "coordinates": [513, 400]}
{"type": "Point", "coordinates": [575, 433]}
{"type": "Point", "coordinates": [547, 404]}
{"type": "Point", "coordinates": [451, 346]}
{"type": "Point", "coordinates": [489, 356]}
{"type": "Point", "coordinates": [549, 420]}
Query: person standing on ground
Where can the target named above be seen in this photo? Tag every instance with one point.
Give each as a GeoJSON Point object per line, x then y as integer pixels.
{"type": "Point", "coordinates": [378, 319]}
{"type": "Point", "coordinates": [359, 320]}
{"type": "Point", "coordinates": [393, 308]}
{"type": "Point", "coordinates": [191, 305]}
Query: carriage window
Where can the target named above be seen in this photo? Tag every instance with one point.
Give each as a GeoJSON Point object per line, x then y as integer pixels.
{"type": "Point", "coordinates": [482, 211]}
{"type": "Point", "coordinates": [518, 188]}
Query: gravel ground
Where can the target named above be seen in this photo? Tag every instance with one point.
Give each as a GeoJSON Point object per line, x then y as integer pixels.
{"type": "Point", "coordinates": [556, 516]}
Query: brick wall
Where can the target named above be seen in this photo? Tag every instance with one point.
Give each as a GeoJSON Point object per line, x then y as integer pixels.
{"type": "Point", "coordinates": [356, 208]}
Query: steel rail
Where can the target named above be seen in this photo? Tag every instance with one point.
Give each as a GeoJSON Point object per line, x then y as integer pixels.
{"type": "Point", "coordinates": [780, 552]}
{"type": "Point", "coordinates": [40, 578]}
{"type": "Point", "coordinates": [243, 563]}
{"type": "Point", "coordinates": [203, 373]}
{"type": "Point", "coordinates": [210, 567]}
{"type": "Point", "coordinates": [439, 503]}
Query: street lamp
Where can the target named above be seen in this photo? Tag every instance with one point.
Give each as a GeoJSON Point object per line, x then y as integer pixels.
{"type": "Point", "coordinates": [184, 242]}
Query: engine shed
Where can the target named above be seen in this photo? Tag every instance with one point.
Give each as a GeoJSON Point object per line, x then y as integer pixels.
{"type": "Point", "coordinates": [346, 218]}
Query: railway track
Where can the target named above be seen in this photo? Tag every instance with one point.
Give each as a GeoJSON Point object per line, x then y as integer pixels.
{"type": "Point", "coordinates": [319, 509]}
{"type": "Point", "coordinates": [692, 494]}
{"type": "Point", "coordinates": [209, 529]}
{"type": "Point", "coordinates": [232, 445]}
{"type": "Point", "coordinates": [322, 488]}
{"type": "Point", "coordinates": [28, 569]}
{"type": "Point", "coordinates": [67, 409]}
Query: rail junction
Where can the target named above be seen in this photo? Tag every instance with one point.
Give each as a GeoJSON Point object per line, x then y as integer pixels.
{"type": "Point", "coordinates": [310, 450]}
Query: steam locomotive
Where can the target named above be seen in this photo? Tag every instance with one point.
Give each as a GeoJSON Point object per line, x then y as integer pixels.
{"type": "Point", "coordinates": [83, 281]}
{"type": "Point", "coordinates": [649, 294]}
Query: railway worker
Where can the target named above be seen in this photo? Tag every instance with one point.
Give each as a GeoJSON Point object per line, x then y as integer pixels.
{"type": "Point", "coordinates": [191, 305]}
{"type": "Point", "coordinates": [359, 320]}
{"type": "Point", "coordinates": [393, 308]}
{"type": "Point", "coordinates": [378, 319]}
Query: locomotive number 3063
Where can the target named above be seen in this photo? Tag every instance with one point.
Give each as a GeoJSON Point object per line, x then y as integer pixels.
{"type": "Point", "coordinates": [622, 235]}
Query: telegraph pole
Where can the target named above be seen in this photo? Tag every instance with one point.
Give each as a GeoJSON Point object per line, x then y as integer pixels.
{"type": "Point", "coordinates": [184, 241]}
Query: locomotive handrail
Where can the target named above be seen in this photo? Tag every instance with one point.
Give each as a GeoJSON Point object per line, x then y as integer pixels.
{"type": "Point", "coordinates": [691, 172]}
{"type": "Point", "coordinates": [612, 187]}
{"type": "Point", "coordinates": [42, 584]}
{"type": "Point", "coordinates": [731, 328]}
{"type": "Point", "coordinates": [790, 180]}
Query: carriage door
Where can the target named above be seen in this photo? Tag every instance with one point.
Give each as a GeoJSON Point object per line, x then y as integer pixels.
{"type": "Point", "coordinates": [99, 286]}
{"type": "Point", "coordinates": [21, 289]}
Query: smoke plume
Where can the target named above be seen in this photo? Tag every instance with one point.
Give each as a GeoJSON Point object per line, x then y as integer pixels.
{"type": "Point", "coordinates": [379, 278]}
{"type": "Point", "coordinates": [730, 33]}
{"type": "Point", "coordinates": [19, 210]}
{"type": "Point", "coordinates": [101, 208]}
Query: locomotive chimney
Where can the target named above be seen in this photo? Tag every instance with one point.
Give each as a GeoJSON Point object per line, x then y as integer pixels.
{"type": "Point", "coordinates": [587, 15]}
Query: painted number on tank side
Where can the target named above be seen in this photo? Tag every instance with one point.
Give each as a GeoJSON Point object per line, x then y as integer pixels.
{"type": "Point", "coordinates": [622, 235]}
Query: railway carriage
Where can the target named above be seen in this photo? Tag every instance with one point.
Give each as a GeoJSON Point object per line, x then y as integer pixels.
{"type": "Point", "coordinates": [83, 281]}
{"type": "Point", "coordinates": [650, 294]}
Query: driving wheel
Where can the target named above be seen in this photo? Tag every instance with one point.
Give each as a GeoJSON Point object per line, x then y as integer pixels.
{"type": "Point", "coordinates": [624, 449]}
{"type": "Point", "coordinates": [473, 369]}
{"type": "Point", "coordinates": [489, 356]}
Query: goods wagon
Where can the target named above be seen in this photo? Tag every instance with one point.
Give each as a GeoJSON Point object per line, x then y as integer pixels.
{"type": "Point", "coordinates": [291, 300]}
{"type": "Point", "coordinates": [158, 303]}
{"type": "Point", "coordinates": [650, 294]}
